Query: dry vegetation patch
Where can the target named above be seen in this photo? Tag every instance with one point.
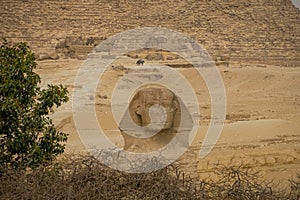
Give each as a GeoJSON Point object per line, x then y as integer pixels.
{"type": "Point", "coordinates": [84, 177]}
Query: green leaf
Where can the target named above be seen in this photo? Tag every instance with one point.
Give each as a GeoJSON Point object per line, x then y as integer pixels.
{"type": "Point", "coordinates": [27, 135]}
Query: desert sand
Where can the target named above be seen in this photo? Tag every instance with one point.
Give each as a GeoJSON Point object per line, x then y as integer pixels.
{"type": "Point", "coordinates": [262, 128]}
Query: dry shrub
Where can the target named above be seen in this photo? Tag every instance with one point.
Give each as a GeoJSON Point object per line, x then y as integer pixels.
{"type": "Point", "coordinates": [84, 177]}
{"type": "Point", "coordinates": [239, 183]}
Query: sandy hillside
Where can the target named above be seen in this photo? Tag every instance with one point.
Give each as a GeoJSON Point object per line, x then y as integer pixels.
{"type": "Point", "coordinates": [262, 128]}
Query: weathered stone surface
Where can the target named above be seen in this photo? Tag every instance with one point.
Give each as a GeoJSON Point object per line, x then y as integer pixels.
{"type": "Point", "coordinates": [46, 56]}
{"type": "Point", "coordinates": [264, 31]}
{"type": "Point", "coordinates": [153, 95]}
{"type": "Point", "coordinates": [164, 122]}
{"type": "Point", "coordinates": [152, 113]}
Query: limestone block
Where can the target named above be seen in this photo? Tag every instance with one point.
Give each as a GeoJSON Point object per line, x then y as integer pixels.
{"type": "Point", "coordinates": [270, 160]}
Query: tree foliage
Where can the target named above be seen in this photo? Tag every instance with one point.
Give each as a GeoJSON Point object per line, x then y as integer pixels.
{"type": "Point", "coordinates": [28, 137]}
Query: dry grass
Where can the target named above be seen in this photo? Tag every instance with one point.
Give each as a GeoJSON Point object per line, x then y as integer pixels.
{"type": "Point", "coordinates": [84, 177]}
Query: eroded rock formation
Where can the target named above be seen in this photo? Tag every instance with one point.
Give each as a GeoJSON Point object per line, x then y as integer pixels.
{"type": "Point", "coordinates": [155, 112]}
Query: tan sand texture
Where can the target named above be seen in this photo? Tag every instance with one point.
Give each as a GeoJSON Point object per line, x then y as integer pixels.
{"type": "Point", "coordinates": [262, 121]}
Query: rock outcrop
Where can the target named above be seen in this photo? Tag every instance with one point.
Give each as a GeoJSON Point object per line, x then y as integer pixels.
{"type": "Point", "coordinates": [158, 110]}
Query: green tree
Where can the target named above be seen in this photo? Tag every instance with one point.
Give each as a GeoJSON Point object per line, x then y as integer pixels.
{"type": "Point", "coordinates": [28, 137]}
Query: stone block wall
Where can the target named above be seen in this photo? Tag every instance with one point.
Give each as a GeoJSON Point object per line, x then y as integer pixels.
{"type": "Point", "coordinates": [264, 31]}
